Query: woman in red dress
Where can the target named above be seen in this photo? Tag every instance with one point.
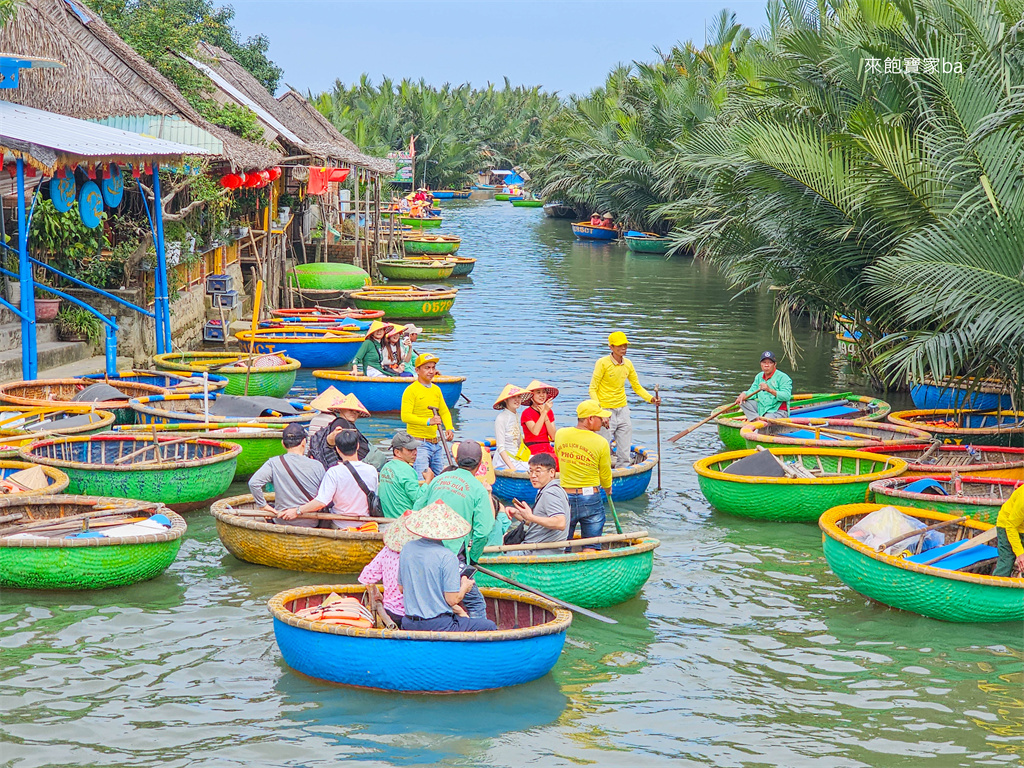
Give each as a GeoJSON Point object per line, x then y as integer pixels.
{"type": "Point", "coordinates": [538, 419]}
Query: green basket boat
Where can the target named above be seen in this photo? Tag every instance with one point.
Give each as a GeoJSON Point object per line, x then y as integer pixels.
{"type": "Point", "coordinates": [259, 442]}
{"type": "Point", "coordinates": [49, 393]}
{"type": "Point", "coordinates": [263, 376]}
{"type": "Point", "coordinates": [843, 405]}
{"type": "Point", "coordinates": [185, 476]}
{"type": "Point", "coordinates": [433, 222]}
{"type": "Point", "coordinates": [1003, 428]}
{"type": "Point", "coordinates": [973, 595]}
{"type": "Point", "coordinates": [527, 203]}
{"type": "Point", "coordinates": [502, 196]}
{"type": "Point", "coordinates": [409, 269]}
{"type": "Point", "coordinates": [590, 579]}
{"type": "Point", "coordinates": [463, 264]}
{"type": "Point", "coordinates": [82, 563]}
{"type": "Point", "coordinates": [647, 243]}
{"type": "Point", "coordinates": [406, 302]}
{"type": "Point", "coordinates": [328, 276]}
{"type": "Point", "coordinates": [830, 433]}
{"type": "Point", "coordinates": [22, 424]}
{"type": "Point", "coordinates": [432, 245]}
{"type": "Point", "coordinates": [845, 477]}
{"type": "Point", "coordinates": [978, 497]}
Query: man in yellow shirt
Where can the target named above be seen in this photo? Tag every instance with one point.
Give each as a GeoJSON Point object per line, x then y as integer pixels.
{"type": "Point", "coordinates": [585, 467]}
{"type": "Point", "coordinates": [420, 421]}
{"type": "Point", "coordinates": [1009, 527]}
{"type": "Point", "coordinates": [608, 388]}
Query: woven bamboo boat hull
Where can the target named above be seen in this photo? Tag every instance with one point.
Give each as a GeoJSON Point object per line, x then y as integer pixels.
{"type": "Point", "coordinates": [314, 550]}
{"type": "Point", "coordinates": [658, 245]}
{"type": "Point", "coordinates": [434, 222]}
{"type": "Point", "coordinates": [1006, 463]}
{"type": "Point", "coordinates": [805, 433]}
{"type": "Point", "coordinates": [443, 194]}
{"type": "Point", "coordinates": [866, 408]}
{"type": "Point", "coordinates": [45, 393]}
{"type": "Point", "coordinates": [584, 231]}
{"type": "Point", "coordinates": [463, 266]}
{"type": "Point", "coordinates": [988, 396]}
{"type": "Point", "coordinates": [1004, 428]}
{"type": "Point", "coordinates": [185, 382]}
{"type": "Point", "coordinates": [528, 203]}
{"type": "Point", "coordinates": [527, 644]}
{"type": "Point", "coordinates": [397, 307]}
{"type": "Point", "coordinates": [439, 246]}
{"type": "Point", "coordinates": [463, 194]}
{"type": "Point", "coordinates": [928, 591]}
{"type": "Point", "coordinates": [588, 579]}
{"type": "Point", "coordinates": [312, 347]}
{"type": "Point", "coordinates": [980, 498]}
{"type": "Point", "coordinates": [271, 381]}
{"type": "Point", "coordinates": [383, 395]}
{"type": "Point", "coordinates": [502, 196]}
{"type": "Point", "coordinates": [401, 269]}
{"type": "Point", "coordinates": [793, 500]}
{"type": "Point", "coordinates": [60, 563]}
{"type": "Point", "coordinates": [188, 409]}
{"type": "Point", "coordinates": [627, 483]}
{"type": "Point", "coordinates": [258, 442]}
{"type": "Point", "coordinates": [328, 276]}
{"type": "Point", "coordinates": [204, 471]}
{"type": "Point", "coordinates": [11, 439]}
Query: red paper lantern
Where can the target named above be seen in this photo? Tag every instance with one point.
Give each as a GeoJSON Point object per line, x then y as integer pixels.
{"type": "Point", "coordinates": [275, 173]}
{"type": "Point", "coordinates": [252, 180]}
{"type": "Point", "coordinates": [264, 178]}
{"type": "Point", "coordinates": [230, 181]}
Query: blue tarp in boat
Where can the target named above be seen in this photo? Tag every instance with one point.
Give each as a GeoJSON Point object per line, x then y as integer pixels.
{"type": "Point", "coordinates": [963, 559]}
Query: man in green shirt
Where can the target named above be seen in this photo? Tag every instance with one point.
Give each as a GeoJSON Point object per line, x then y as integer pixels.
{"type": "Point", "coordinates": [399, 484]}
{"type": "Point", "coordinates": [770, 393]}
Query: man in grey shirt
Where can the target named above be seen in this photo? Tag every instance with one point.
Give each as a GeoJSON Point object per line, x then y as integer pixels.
{"type": "Point", "coordinates": [549, 518]}
{"type": "Point", "coordinates": [295, 482]}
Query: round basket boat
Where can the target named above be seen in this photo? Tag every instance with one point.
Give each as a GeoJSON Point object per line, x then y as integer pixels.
{"type": "Point", "coordinates": [319, 313]}
{"type": "Point", "coordinates": [408, 269]}
{"type": "Point", "coordinates": [584, 231]}
{"type": "Point", "coordinates": [406, 303]}
{"type": "Point", "coordinates": [310, 298]}
{"type": "Point", "coordinates": [588, 578]}
{"type": "Point", "coordinates": [829, 433]}
{"type": "Point", "coordinates": [811, 405]}
{"type": "Point", "coordinates": [189, 409]}
{"type": "Point", "coordinates": [502, 197]}
{"type": "Point", "coordinates": [178, 383]}
{"type": "Point", "coordinates": [312, 347]}
{"type": "Point", "coordinates": [934, 591]}
{"type": "Point", "coordinates": [57, 562]}
{"type": "Point", "coordinates": [529, 639]}
{"type": "Point", "coordinates": [463, 265]}
{"type": "Point", "coordinates": [527, 203]}
{"type": "Point", "coordinates": [647, 243]}
{"type": "Point", "coordinates": [21, 424]}
{"type": "Point", "coordinates": [56, 481]}
{"type": "Point", "coordinates": [964, 394]}
{"type": "Point", "coordinates": [44, 393]}
{"type": "Point", "coordinates": [979, 497]}
{"type": "Point", "coordinates": [184, 475]}
{"type": "Point", "coordinates": [384, 394]}
{"type": "Point", "coordinates": [443, 194]}
{"type": "Point", "coordinates": [433, 222]}
{"type": "Point", "coordinates": [328, 276]}
{"type": "Point", "coordinates": [315, 550]}
{"type": "Point", "coordinates": [435, 245]}
{"type": "Point", "coordinates": [259, 442]}
{"type": "Point", "coordinates": [264, 376]}
{"type": "Point", "coordinates": [843, 477]}
{"type": "Point", "coordinates": [1005, 428]}
{"type": "Point", "coordinates": [1007, 463]}
{"type": "Point", "coordinates": [627, 483]}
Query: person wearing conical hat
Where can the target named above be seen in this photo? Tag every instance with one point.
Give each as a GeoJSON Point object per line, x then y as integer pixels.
{"type": "Point", "coordinates": [608, 388]}
{"type": "Point", "coordinates": [508, 434]}
{"type": "Point", "coordinates": [391, 352]}
{"type": "Point", "coordinates": [342, 410]}
{"type": "Point", "coordinates": [384, 568]}
{"type": "Point", "coordinates": [369, 358]}
{"type": "Point", "coordinates": [538, 420]}
{"type": "Point", "coordinates": [430, 575]}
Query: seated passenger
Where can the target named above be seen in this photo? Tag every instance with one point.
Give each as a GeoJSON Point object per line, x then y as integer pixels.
{"type": "Point", "coordinates": [295, 477]}
{"type": "Point", "coordinates": [608, 221]}
{"type": "Point", "coordinates": [339, 412]}
{"type": "Point", "coordinates": [370, 355]}
{"type": "Point", "coordinates": [538, 420]}
{"type": "Point", "coordinates": [392, 363]}
{"type": "Point", "coordinates": [549, 518]}
{"type": "Point", "coordinates": [384, 569]}
{"type": "Point", "coordinates": [345, 485]}
{"type": "Point", "coordinates": [399, 484]}
{"type": "Point", "coordinates": [509, 452]}
{"type": "Point", "coordinates": [595, 219]}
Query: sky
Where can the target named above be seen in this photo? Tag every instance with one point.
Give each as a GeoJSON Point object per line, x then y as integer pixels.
{"type": "Point", "coordinates": [564, 45]}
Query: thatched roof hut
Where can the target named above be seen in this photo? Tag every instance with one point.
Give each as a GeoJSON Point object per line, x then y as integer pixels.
{"type": "Point", "coordinates": [106, 80]}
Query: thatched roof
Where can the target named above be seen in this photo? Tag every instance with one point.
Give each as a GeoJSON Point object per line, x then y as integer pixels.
{"type": "Point", "coordinates": [294, 126]}
{"type": "Point", "coordinates": [104, 76]}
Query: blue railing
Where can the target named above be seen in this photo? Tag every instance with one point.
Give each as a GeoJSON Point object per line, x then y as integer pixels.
{"type": "Point", "coordinates": [94, 289]}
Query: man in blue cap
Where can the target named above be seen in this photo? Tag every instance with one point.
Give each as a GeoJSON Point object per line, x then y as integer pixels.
{"type": "Point", "coordinates": [770, 393]}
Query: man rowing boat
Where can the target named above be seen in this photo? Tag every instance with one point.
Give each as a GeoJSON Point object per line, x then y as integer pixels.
{"type": "Point", "coordinates": [771, 392]}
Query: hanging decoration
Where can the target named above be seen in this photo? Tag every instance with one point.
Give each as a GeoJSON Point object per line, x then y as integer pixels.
{"type": "Point", "coordinates": [90, 204]}
{"type": "Point", "coordinates": [231, 181]}
{"type": "Point", "coordinates": [62, 192]}
{"type": "Point", "coordinates": [112, 187]}
{"type": "Point", "coordinates": [275, 172]}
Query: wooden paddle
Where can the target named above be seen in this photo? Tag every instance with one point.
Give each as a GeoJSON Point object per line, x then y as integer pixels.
{"type": "Point", "coordinates": [570, 606]}
{"type": "Point", "coordinates": [911, 534]}
{"type": "Point", "coordinates": [657, 431]}
{"type": "Point", "coordinates": [440, 436]}
{"type": "Point", "coordinates": [569, 544]}
{"type": "Point", "coordinates": [311, 516]}
{"type": "Point", "coordinates": [981, 538]}
{"type": "Point", "coordinates": [714, 414]}
{"type": "Point", "coordinates": [615, 515]}
{"type": "Point", "coordinates": [826, 430]}
{"type": "Point", "coordinates": [257, 299]}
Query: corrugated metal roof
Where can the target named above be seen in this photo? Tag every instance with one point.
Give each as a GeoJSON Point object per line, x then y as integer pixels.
{"type": "Point", "coordinates": [46, 140]}
{"type": "Point", "coordinates": [167, 127]}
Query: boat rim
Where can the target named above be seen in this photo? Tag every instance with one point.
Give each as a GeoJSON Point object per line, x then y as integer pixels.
{"type": "Point", "coordinates": [636, 546]}
{"type": "Point", "coordinates": [51, 472]}
{"type": "Point", "coordinates": [753, 428]}
{"type": "Point", "coordinates": [649, 462]}
{"type": "Point", "coordinates": [265, 430]}
{"type": "Point", "coordinates": [336, 375]}
{"type": "Point", "coordinates": [290, 364]}
{"type": "Point", "coordinates": [953, 449]}
{"type": "Point", "coordinates": [222, 511]}
{"type": "Point", "coordinates": [883, 410]}
{"type": "Point", "coordinates": [905, 419]}
{"type": "Point", "coordinates": [829, 525]}
{"type": "Point", "coordinates": [6, 398]}
{"type": "Point", "coordinates": [326, 335]}
{"type": "Point", "coordinates": [558, 624]}
{"type": "Point", "coordinates": [231, 452]}
{"type": "Point", "coordinates": [887, 485]}
{"type": "Point", "coordinates": [703, 466]}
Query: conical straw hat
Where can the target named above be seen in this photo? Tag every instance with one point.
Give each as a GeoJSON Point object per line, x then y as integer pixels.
{"type": "Point", "coordinates": [397, 535]}
{"type": "Point", "coordinates": [331, 398]}
{"type": "Point", "coordinates": [375, 326]}
{"type": "Point", "coordinates": [351, 403]}
{"type": "Point", "coordinates": [438, 521]}
{"type": "Point", "coordinates": [536, 384]}
{"type": "Point", "coordinates": [510, 390]}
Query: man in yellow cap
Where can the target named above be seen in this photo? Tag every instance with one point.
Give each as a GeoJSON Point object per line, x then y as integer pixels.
{"type": "Point", "coordinates": [608, 388]}
{"type": "Point", "coordinates": [420, 421]}
{"type": "Point", "coordinates": [584, 461]}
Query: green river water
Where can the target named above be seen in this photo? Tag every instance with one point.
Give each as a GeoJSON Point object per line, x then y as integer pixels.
{"type": "Point", "coordinates": [742, 650]}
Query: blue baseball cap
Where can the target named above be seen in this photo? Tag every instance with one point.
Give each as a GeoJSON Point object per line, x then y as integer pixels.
{"type": "Point", "coordinates": [768, 355]}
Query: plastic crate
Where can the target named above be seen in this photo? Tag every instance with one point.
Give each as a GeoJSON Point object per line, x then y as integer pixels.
{"type": "Point", "coordinates": [213, 331]}
{"type": "Point", "coordinates": [225, 300]}
{"type": "Point", "coordinates": [219, 283]}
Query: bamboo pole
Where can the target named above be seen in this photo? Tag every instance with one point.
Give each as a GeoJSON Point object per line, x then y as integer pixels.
{"type": "Point", "coordinates": [573, 544]}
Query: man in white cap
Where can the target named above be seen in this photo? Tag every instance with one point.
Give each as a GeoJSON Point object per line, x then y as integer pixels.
{"type": "Point", "coordinates": [421, 422]}
{"type": "Point", "coordinates": [770, 393]}
{"type": "Point", "coordinates": [431, 576]}
{"type": "Point", "coordinates": [608, 388]}
{"type": "Point", "coordinates": [584, 460]}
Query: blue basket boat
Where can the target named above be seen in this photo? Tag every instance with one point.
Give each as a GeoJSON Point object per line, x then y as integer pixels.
{"type": "Point", "coordinates": [462, 195]}
{"type": "Point", "coordinates": [381, 395]}
{"type": "Point", "coordinates": [987, 395]}
{"type": "Point", "coordinates": [443, 194]}
{"type": "Point", "coordinates": [584, 231]}
{"type": "Point", "coordinates": [287, 324]}
{"type": "Point", "coordinates": [190, 409]}
{"type": "Point", "coordinates": [526, 645]}
{"type": "Point", "coordinates": [312, 347]}
{"type": "Point", "coordinates": [175, 382]}
{"type": "Point", "coordinates": [627, 483]}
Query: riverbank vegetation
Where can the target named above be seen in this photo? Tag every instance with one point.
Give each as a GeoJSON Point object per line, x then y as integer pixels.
{"type": "Point", "coordinates": [863, 159]}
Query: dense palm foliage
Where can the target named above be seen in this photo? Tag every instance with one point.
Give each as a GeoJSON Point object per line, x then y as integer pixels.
{"type": "Point", "coordinates": [861, 158]}
{"type": "Point", "coordinates": [458, 129]}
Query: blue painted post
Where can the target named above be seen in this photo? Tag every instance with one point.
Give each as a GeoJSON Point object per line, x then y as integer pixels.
{"type": "Point", "coordinates": [110, 348]}
{"type": "Point", "coordinates": [161, 303]}
{"type": "Point", "coordinates": [29, 354]}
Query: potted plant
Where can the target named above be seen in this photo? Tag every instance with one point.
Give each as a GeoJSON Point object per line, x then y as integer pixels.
{"type": "Point", "coordinates": [47, 308]}
{"type": "Point", "coordinates": [76, 324]}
